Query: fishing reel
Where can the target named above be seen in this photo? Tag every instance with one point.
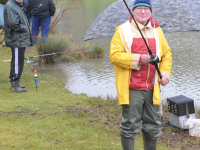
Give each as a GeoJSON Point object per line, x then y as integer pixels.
{"type": "Point", "coordinates": [155, 59]}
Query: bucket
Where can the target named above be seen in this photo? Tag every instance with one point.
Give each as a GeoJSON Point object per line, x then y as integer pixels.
{"type": "Point", "coordinates": [195, 130]}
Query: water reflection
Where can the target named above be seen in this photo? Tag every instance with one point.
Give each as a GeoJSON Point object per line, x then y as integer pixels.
{"type": "Point", "coordinates": [93, 77]}
{"type": "Point", "coordinates": [185, 77]}
{"type": "Point", "coordinates": [96, 77]}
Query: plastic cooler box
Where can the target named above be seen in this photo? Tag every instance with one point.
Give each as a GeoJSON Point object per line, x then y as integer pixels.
{"type": "Point", "coordinates": [180, 109]}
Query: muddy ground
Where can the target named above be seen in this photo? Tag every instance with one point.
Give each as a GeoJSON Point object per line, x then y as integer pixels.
{"type": "Point", "coordinates": [173, 138]}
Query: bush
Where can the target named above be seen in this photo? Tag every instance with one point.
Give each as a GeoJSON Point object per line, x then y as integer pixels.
{"type": "Point", "coordinates": [97, 51]}
{"type": "Point", "coordinates": [52, 45]}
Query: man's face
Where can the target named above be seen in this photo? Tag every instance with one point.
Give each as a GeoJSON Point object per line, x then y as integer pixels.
{"type": "Point", "coordinates": [142, 14]}
{"type": "Point", "coordinates": [20, 1]}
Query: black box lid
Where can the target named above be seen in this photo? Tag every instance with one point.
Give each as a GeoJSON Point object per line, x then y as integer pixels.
{"type": "Point", "coordinates": [180, 99]}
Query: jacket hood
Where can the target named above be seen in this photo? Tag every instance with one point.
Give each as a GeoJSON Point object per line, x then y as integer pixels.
{"type": "Point", "coordinates": [152, 21]}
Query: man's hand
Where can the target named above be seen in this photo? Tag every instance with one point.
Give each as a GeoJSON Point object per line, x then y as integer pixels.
{"type": "Point", "coordinates": [145, 59]}
{"type": "Point", "coordinates": [164, 81]}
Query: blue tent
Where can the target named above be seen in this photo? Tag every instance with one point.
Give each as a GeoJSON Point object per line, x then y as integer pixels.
{"type": "Point", "coordinates": [1, 15]}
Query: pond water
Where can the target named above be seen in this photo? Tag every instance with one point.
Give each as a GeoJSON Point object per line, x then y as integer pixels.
{"type": "Point", "coordinates": [96, 77]}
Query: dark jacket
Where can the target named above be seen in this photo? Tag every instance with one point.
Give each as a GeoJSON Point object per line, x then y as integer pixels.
{"type": "Point", "coordinates": [17, 32]}
{"type": "Point", "coordinates": [41, 8]}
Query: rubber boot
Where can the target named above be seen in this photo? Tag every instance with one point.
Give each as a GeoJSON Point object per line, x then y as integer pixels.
{"type": "Point", "coordinates": [22, 86]}
{"type": "Point", "coordinates": [127, 143]}
{"type": "Point", "coordinates": [16, 87]}
{"type": "Point", "coordinates": [149, 144]}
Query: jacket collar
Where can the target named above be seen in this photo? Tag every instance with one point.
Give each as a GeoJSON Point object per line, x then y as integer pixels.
{"type": "Point", "coordinates": [151, 24]}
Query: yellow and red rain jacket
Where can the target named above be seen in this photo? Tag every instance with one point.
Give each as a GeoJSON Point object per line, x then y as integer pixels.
{"type": "Point", "coordinates": [126, 48]}
{"type": "Point", "coordinates": [142, 79]}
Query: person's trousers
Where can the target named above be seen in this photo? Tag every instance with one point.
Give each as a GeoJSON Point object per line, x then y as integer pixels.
{"type": "Point", "coordinates": [29, 17]}
{"type": "Point", "coordinates": [141, 109]}
{"type": "Point", "coordinates": [17, 63]}
{"type": "Point", "coordinates": [45, 25]}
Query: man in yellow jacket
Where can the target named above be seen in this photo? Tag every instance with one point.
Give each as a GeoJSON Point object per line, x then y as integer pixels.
{"type": "Point", "coordinates": [137, 81]}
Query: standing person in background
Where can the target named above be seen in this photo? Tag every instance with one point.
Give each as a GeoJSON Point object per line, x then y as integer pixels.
{"type": "Point", "coordinates": [25, 2]}
{"type": "Point", "coordinates": [137, 82]}
{"type": "Point", "coordinates": [41, 11]}
{"type": "Point", "coordinates": [18, 37]}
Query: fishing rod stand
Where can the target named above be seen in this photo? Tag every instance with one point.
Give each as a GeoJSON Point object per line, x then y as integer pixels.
{"type": "Point", "coordinates": [29, 61]}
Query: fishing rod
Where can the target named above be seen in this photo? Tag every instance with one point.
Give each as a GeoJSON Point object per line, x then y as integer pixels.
{"type": "Point", "coordinates": [2, 41]}
{"type": "Point", "coordinates": [154, 59]}
{"type": "Point", "coordinates": [29, 61]}
{"type": "Point", "coordinates": [2, 27]}
{"type": "Point", "coordinates": [36, 7]}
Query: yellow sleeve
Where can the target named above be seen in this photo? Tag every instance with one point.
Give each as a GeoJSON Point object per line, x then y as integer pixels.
{"type": "Point", "coordinates": [166, 64]}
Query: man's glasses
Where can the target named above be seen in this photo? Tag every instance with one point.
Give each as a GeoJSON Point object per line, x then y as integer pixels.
{"type": "Point", "coordinates": [146, 9]}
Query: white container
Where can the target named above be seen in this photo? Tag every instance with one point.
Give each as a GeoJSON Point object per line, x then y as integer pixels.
{"type": "Point", "coordinates": [195, 130]}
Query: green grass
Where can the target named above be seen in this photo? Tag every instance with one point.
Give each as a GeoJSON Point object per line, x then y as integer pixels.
{"type": "Point", "coordinates": [54, 132]}
{"type": "Point", "coordinates": [53, 118]}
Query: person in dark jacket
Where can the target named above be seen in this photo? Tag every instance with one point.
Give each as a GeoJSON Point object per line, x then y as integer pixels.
{"type": "Point", "coordinates": [41, 11]}
{"type": "Point", "coordinates": [25, 2]}
{"type": "Point", "coordinates": [18, 37]}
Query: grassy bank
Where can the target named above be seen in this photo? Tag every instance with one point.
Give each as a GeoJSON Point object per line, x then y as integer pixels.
{"type": "Point", "coordinates": [54, 118]}
{"type": "Point", "coordinates": [51, 118]}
